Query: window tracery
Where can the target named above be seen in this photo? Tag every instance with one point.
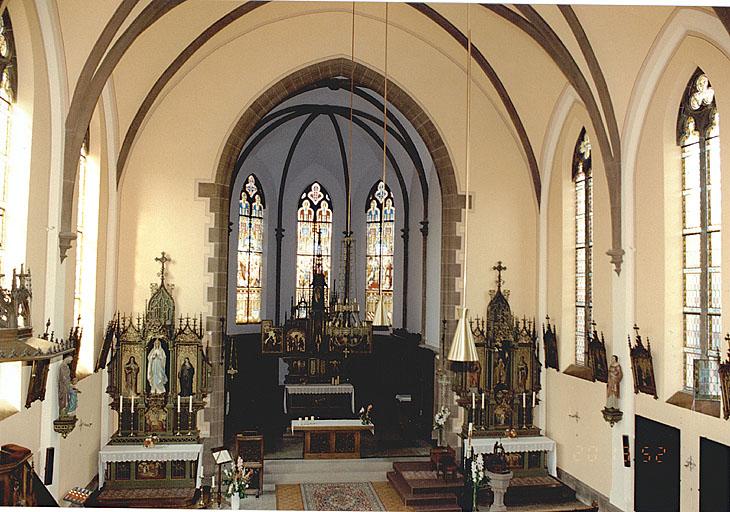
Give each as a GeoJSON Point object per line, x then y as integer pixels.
{"type": "Point", "coordinates": [314, 234]}
{"type": "Point", "coordinates": [380, 225]}
{"type": "Point", "coordinates": [250, 252]}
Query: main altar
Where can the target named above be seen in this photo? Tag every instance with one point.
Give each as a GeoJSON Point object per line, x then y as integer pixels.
{"type": "Point", "coordinates": [501, 391]}
{"type": "Point", "coordinates": [159, 376]}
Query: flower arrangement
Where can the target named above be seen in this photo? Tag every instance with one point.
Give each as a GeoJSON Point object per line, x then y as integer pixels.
{"type": "Point", "coordinates": [365, 414]}
{"type": "Point", "coordinates": [477, 477]}
{"type": "Point", "coordinates": [439, 421]}
{"type": "Point", "coordinates": [150, 441]}
{"type": "Point", "coordinates": [236, 479]}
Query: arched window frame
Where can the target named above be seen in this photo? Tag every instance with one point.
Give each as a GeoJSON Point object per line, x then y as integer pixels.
{"type": "Point", "coordinates": [583, 222]}
{"type": "Point", "coordinates": [81, 213]}
{"type": "Point", "coordinates": [380, 250]}
{"type": "Point", "coordinates": [250, 252]}
{"type": "Point", "coordinates": [698, 136]}
{"type": "Point", "coordinates": [8, 94]}
{"type": "Point", "coordinates": [314, 220]}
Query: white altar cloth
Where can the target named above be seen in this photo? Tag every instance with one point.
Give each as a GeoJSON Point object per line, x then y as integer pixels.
{"type": "Point", "coordinates": [320, 389]}
{"type": "Point", "coordinates": [521, 444]}
{"type": "Point", "coordinates": [162, 452]}
{"type": "Point", "coordinates": [313, 424]}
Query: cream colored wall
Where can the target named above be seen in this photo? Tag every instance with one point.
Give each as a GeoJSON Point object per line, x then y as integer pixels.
{"type": "Point", "coordinates": [583, 443]}
{"type": "Point", "coordinates": [191, 140]}
{"type": "Point", "coordinates": [659, 248]}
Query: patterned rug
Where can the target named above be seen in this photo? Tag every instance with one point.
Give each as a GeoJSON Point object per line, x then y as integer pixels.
{"type": "Point", "coordinates": [340, 496]}
{"type": "Point", "coordinates": [289, 497]}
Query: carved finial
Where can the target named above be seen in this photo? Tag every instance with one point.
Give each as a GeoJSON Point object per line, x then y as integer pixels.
{"type": "Point", "coordinates": [499, 268]}
{"type": "Point", "coordinates": [162, 260]}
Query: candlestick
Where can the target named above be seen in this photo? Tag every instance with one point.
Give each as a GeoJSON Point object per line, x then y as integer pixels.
{"type": "Point", "coordinates": [482, 400]}
{"type": "Point", "coordinates": [178, 404]}
{"type": "Point", "coordinates": [473, 401]}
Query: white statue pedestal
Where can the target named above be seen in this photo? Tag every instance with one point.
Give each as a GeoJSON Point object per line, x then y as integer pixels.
{"type": "Point", "coordinates": [499, 483]}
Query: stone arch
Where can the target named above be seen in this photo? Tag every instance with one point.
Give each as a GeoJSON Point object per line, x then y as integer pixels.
{"type": "Point", "coordinates": [218, 194]}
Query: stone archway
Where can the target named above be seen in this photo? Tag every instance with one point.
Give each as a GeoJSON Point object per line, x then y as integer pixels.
{"type": "Point", "coordinates": [218, 194]}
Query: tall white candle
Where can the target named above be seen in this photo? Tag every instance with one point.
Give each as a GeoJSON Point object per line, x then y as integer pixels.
{"type": "Point", "coordinates": [178, 404]}
{"type": "Point", "coordinates": [482, 400]}
{"type": "Point", "coordinates": [471, 428]}
{"type": "Point", "coordinates": [212, 483]}
{"type": "Point", "coordinates": [473, 401]}
{"type": "Point", "coordinates": [523, 400]}
{"type": "Point", "coordinates": [132, 397]}
{"type": "Point", "coordinates": [190, 404]}
{"type": "Point", "coordinates": [533, 399]}
{"type": "Point", "coordinates": [121, 404]}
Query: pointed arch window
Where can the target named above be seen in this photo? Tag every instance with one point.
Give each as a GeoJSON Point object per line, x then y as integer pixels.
{"type": "Point", "coordinates": [314, 234]}
{"type": "Point", "coordinates": [249, 276]}
{"type": "Point", "coordinates": [380, 224]}
{"type": "Point", "coordinates": [8, 93]}
{"type": "Point", "coordinates": [698, 135]}
{"type": "Point", "coordinates": [583, 185]}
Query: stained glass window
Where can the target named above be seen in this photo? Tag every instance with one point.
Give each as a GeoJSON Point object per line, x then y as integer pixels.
{"type": "Point", "coordinates": [380, 221]}
{"type": "Point", "coordinates": [250, 252]}
{"type": "Point", "coordinates": [583, 184]}
{"type": "Point", "coordinates": [698, 134]}
{"type": "Point", "coordinates": [81, 228]}
{"type": "Point", "coordinates": [8, 67]}
{"type": "Point", "coordinates": [314, 235]}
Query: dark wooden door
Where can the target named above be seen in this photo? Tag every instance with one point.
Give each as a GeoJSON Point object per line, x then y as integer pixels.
{"type": "Point", "coordinates": [714, 476]}
{"type": "Point", "coordinates": [656, 467]}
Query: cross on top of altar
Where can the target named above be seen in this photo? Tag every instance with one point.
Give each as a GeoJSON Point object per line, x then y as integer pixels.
{"type": "Point", "coordinates": [499, 268]}
{"type": "Point", "coordinates": [162, 260]}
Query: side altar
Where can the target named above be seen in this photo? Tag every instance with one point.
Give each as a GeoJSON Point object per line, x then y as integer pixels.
{"type": "Point", "coordinates": [159, 377]}
{"type": "Point", "coordinates": [501, 391]}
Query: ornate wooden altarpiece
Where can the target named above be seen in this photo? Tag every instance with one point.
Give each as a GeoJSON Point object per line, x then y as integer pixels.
{"type": "Point", "coordinates": [642, 366]}
{"type": "Point", "coordinates": [318, 336]}
{"type": "Point", "coordinates": [507, 374]}
{"type": "Point", "coordinates": [159, 376]}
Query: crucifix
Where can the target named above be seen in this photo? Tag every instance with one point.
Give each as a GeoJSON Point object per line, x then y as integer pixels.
{"type": "Point", "coordinates": [499, 268]}
{"type": "Point", "coordinates": [162, 260]}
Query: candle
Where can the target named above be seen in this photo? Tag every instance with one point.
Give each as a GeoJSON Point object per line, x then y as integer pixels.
{"type": "Point", "coordinates": [523, 400]}
{"type": "Point", "coordinates": [132, 397]}
{"type": "Point", "coordinates": [482, 400]}
{"type": "Point", "coordinates": [533, 399]}
{"type": "Point", "coordinates": [121, 404]}
{"type": "Point", "coordinates": [473, 401]}
{"type": "Point", "coordinates": [471, 428]}
{"type": "Point", "coordinates": [178, 404]}
{"type": "Point", "coordinates": [190, 404]}
{"type": "Point", "coordinates": [212, 482]}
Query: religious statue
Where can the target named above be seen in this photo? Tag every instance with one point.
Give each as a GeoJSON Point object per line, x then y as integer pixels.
{"type": "Point", "coordinates": [185, 375]}
{"type": "Point", "coordinates": [67, 392]}
{"type": "Point", "coordinates": [613, 391]}
{"type": "Point", "coordinates": [131, 373]}
{"type": "Point", "coordinates": [522, 373]}
{"type": "Point", "coordinates": [474, 373]}
{"type": "Point", "coordinates": [500, 371]}
{"type": "Point", "coordinates": [156, 375]}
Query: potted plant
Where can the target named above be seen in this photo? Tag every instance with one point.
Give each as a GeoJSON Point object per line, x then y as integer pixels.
{"type": "Point", "coordinates": [477, 477]}
{"type": "Point", "coordinates": [365, 414]}
{"type": "Point", "coordinates": [439, 422]}
{"type": "Point", "coordinates": [235, 482]}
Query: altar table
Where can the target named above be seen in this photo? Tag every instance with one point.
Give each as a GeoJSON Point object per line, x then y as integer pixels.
{"type": "Point", "coordinates": [319, 389]}
{"type": "Point", "coordinates": [160, 453]}
{"type": "Point", "coordinates": [519, 445]}
{"type": "Point", "coordinates": [331, 439]}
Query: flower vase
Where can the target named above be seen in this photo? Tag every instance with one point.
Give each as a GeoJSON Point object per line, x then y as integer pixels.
{"type": "Point", "coordinates": [475, 498]}
{"type": "Point", "coordinates": [235, 501]}
{"type": "Point", "coordinates": [440, 437]}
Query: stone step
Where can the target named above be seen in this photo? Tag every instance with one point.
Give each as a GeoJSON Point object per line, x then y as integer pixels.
{"type": "Point", "coordinates": [435, 508]}
{"type": "Point", "coordinates": [401, 487]}
{"type": "Point", "coordinates": [453, 484]}
{"type": "Point", "coordinates": [294, 471]}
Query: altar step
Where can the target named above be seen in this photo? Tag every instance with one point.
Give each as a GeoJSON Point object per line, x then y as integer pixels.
{"type": "Point", "coordinates": [533, 490]}
{"type": "Point", "coordinates": [295, 471]}
{"type": "Point", "coordinates": [420, 489]}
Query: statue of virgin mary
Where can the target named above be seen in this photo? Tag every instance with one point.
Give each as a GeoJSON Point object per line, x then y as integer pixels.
{"type": "Point", "coordinates": [156, 362]}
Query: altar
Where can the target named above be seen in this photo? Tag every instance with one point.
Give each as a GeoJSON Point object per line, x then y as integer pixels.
{"type": "Point", "coordinates": [519, 451]}
{"type": "Point", "coordinates": [304, 399]}
{"type": "Point", "coordinates": [182, 464]}
{"type": "Point", "coordinates": [331, 439]}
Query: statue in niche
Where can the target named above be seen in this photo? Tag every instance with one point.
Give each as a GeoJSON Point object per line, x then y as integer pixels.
{"type": "Point", "coordinates": [522, 374]}
{"type": "Point", "coordinates": [67, 392]}
{"type": "Point", "coordinates": [500, 370]}
{"type": "Point", "coordinates": [613, 390]}
{"type": "Point", "coordinates": [131, 374]}
{"type": "Point", "coordinates": [156, 375]}
{"type": "Point", "coordinates": [474, 373]}
{"type": "Point", "coordinates": [185, 375]}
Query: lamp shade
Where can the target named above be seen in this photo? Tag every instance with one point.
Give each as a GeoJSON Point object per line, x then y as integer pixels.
{"type": "Point", "coordinates": [380, 319]}
{"type": "Point", "coordinates": [463, 349]}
